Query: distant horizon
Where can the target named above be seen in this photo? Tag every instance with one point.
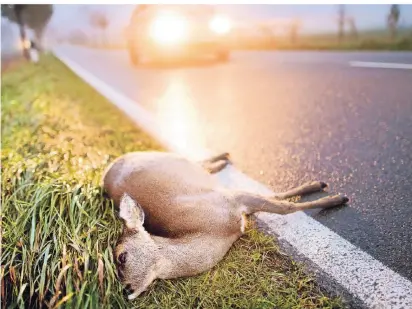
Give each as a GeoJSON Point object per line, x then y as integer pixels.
{"type": "Point", "coordinates": [316, 19]}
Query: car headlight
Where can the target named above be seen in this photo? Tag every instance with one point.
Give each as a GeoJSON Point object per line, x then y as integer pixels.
{"type": "Point", "coordinates": [220, 25]}
{"type": "Point", "coordinates": [169, 28]}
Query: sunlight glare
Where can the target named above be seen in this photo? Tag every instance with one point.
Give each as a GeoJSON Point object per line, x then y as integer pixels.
{"type": "Point", "coordinates": [178, 120]}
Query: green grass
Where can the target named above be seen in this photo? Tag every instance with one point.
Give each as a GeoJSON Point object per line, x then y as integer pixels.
{"type": "Point", "coordinates": [371, 41]}
{"type": "Point", "coordinates": [58, 232]}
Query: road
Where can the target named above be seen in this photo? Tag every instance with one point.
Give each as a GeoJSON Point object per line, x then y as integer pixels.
{"type": "Point", "coordinates": [290, 117]}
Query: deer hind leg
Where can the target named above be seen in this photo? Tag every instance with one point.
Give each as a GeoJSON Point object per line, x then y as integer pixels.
{"type": "Point", "coordinates": [307, 188]}
{"type": "Point", "coordinates": [216, 164]}
{"type": "Point", "coordinates": [256, 203]}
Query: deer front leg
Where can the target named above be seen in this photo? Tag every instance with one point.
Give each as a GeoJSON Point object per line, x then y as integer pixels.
{"type": "Point", "coordinates": [307, 188]}
{"type": "Point", "coordinates": [256, 203]}
{"type": "Point", "coordinates": [216, 164]}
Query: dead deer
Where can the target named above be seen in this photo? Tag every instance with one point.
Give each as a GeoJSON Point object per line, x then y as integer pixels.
{"type": "Point", "coordinates": [178, 220]}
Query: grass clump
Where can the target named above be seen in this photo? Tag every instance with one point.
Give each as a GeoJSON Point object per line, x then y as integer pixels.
{"type": "Point", "coordinates": [58, 232]}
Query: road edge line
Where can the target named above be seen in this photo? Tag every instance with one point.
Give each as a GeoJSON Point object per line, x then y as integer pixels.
{"type": "Point", "coordinates": [380, 65]}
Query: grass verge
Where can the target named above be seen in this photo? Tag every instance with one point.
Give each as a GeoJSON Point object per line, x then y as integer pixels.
{"type": "Point", "coordinates": [58, 232]}
{"type": "Point", "coordinates": [330, 43]}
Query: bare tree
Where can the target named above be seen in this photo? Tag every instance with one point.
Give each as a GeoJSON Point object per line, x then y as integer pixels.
{"type": "Point", "coordinates": [353, 29]}
{"type": "Point", "coordinates": [341, 22]}
{"type": "Point", "coordinates": [99, 21]}
{"type": "Point", "coordinates": [294, 28]}
{"type": "Point", "coordinates": [37, 17]}
{"type": "Point", "coordinates": [393, 19]}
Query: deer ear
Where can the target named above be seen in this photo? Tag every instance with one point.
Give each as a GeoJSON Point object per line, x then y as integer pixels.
{"type": "Point", "coordinates": [131, 212]}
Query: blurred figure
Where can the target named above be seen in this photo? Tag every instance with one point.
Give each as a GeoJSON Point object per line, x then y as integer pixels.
{"type": "Point", "coordinates": [33, 52]}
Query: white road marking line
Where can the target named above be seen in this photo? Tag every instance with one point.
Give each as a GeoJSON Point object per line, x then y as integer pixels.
{"type": "Point", "coordinates": [380, 65]}
{"type": "Point", "coordinates": [366, 278]}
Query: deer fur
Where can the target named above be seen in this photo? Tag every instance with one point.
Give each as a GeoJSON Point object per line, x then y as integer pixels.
{"type": "Point", "coordinates": [178, 220]}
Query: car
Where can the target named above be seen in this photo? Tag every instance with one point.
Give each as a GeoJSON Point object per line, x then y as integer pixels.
{"type": "Point", "coordinates": [164, 31]}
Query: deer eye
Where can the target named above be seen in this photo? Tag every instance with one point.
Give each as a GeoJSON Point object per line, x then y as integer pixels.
{"type": "Point", "coordinates": [122, 257]}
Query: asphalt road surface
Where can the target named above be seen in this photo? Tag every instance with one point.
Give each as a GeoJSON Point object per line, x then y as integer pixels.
{"type": "Point", "coordinates": [290, 117]}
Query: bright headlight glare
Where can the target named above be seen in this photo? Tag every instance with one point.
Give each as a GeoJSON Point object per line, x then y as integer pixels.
{"type": "Point", "coordinates": [220, 25]}
{"type": "Point", "coordinates": [168, 28]}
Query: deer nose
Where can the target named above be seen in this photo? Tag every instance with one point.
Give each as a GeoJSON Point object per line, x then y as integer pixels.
{"type": "Point", "coordinates": [127, 290]}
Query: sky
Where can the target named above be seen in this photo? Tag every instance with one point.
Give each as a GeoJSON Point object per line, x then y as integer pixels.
{"type": "Point", "coordinates": [314, 18]}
